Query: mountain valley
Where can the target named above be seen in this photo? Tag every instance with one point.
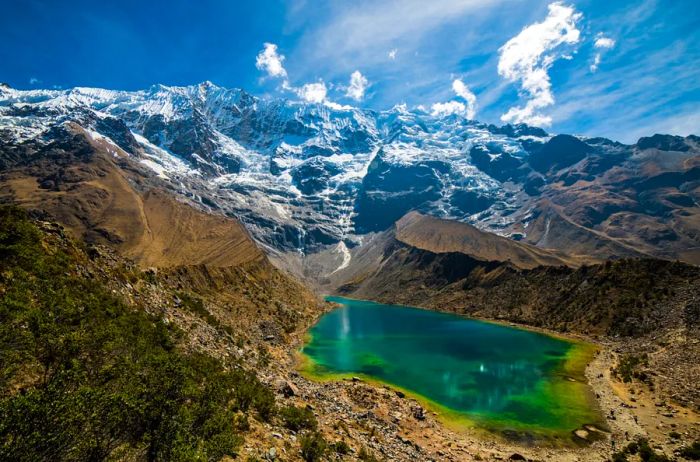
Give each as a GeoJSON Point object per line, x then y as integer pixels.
{"type": "Point", "coordinates": [223, 218]}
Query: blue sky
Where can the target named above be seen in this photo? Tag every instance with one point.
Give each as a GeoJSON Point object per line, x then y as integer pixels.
{"type": "Point", "coordinates": [614, 68]}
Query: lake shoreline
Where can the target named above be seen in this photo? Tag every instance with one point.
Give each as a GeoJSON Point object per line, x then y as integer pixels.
{"type": "Point", "coordinates": [401, 437]}
{"type": "Point", "coordinates": [571, 373]}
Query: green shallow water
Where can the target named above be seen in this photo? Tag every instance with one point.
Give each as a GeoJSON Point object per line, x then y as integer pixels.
{"type": "Point", "coordinates": [475, 373]}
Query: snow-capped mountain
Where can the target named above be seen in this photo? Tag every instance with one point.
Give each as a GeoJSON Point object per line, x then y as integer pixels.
{"type": "Point", "coordinates": [303, 176]}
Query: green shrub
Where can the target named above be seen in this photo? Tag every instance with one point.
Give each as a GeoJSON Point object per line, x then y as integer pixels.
{"type": "Point", "coordinates": [341, 447]}
{"type": "Point", "coordinates": [85, 377]}
{"type": "Point", "coordinates": [298, 418]}
{"type": "Point", "coordinates": [313, 447]}
{"type": "Point", "coordinates": [629, 368]}
{"type": "Point", "coordinates": [691, 452]}
{"type": "Point", "coordinates": [647, 454]}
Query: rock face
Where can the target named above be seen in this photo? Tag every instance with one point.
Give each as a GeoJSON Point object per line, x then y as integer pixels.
{"type": "Point", "coordinates": [304, 178]}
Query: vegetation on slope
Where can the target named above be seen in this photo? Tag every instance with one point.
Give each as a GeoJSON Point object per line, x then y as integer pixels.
{"type": "Point", "coordinates": [85, 377]}
{"type": "Point", "coordinates": [654, 305]}
{"type": "Point", "coordinates": [626, 297]}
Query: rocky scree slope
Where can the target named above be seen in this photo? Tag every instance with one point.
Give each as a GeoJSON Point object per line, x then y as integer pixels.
{"type": "Point", "coordinates": [307, 178]}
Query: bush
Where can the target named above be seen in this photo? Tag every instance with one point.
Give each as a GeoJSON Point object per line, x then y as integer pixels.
{"type": "Point", "coordinates": [341, 447]}
{"type": "Point", "coordinates": [97, 379]}
{"type": "Point", "coordinates": [298, 418]}
{"type": "Point", "coordinates": [691, 452]}
{"type": "Point", "coordinates": [629, 368]}
{"type": "Point", "coordinates": [313, 447]}
{"type": "Point", "coordinates": [633, 448]}
{"type": "Point", "coordinates": [647, 454]}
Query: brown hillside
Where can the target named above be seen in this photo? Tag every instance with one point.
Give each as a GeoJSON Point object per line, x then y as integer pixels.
{"type": "Point", "coordinates": [79, 183]}
{"type": "Point", "coordinates": [444, 236]}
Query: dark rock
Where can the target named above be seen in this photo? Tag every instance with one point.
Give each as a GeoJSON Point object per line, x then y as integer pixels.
{"type": "Point", "coordinates": [663, 143]}
{"type": "Point", "coordinates": [559, 152]}
{"type": "Point", "coordinates": [287, 389]}
{"type": "Point", "coordinates": [497, 163]}
{"type": "Point", "coordinates": [418, 413]}
{"type": "Point", "coordinates": [389, 191]}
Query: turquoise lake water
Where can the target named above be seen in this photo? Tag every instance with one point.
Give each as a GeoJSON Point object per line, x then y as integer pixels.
{"type": "Point", "coordinates": [488, 375]}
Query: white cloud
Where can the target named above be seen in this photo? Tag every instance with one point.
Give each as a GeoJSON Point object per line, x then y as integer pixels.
{"type": "Point", "coordinates": [527, 57]}
{"type": "Point", "coordinates": [34, 81]}
{"type": "Point", "coordinates": [392, 54]}
{"type": "Point", "coordinates": [352, 26]}
{"type": "Point", "coordinates": [312, 92]}
{"type": "Point", "coordinates": [463, 91]}
{"type": "Point", "coordinates": [448, 108]}
{"type": "Point", "coordinates": [270, 61]}
{"type": "Point", "coordinates": [604, 42]}
{"type": "Point", "coordinates": [358, 85]}
{"type": "Point", "coordinates": [336, 106]}
{"type": "Point", "coordinates": [601, 43]}
{"type": "Point", "coordinates": [466, 109]}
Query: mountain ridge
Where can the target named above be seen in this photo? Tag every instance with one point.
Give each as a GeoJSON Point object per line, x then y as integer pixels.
{"type": "Point", "coordinates": [304, 178]}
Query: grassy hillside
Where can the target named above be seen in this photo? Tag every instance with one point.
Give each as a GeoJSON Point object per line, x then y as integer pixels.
{"type": "Point", "coordinates": [85, 376]}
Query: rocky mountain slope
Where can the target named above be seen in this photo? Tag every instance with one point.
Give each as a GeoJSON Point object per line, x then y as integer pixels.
{"type": "Point", "coordinates": [307, 178]}
{"type": "Point", "coordinates": [104, 360]}
{"type": "Point", "coordinates": [102, 196]}
{"type": "Point", "coordinates": [94, 189]}
{"type": "Point", "coordinates": [446, 236]}
{"type": "Point", "coordinates": [442, 265]}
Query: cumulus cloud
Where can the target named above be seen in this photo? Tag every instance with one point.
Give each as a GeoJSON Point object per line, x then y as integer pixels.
{"type": "Point", "coordinates": [601, 43]}
{"type": "Point", "coordinates": [464, 92]}
{"type": "Point", "coordinates": [527, 58]}
{"type": "Point", "coordinates": [465, 109]}
{"type": "Point", "coordinates": [270, 61]}
{"type": "Point", "coordinates": [312, 92]}
{"type": "Point", "coordinates": [392, 54]}
{"type": "Point", "coordinates": [448, 108]}
{"type": "Point", "coordinates": [604, 42]}
{"type": "Point", "coordinates": [358, 85]}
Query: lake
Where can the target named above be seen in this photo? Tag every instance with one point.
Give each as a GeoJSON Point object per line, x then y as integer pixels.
{"type": "Point", "coordinates": [474, 373]}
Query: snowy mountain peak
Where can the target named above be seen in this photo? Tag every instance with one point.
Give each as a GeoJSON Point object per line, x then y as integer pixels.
{"type": "Point", "coordinates": [306, 175]}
